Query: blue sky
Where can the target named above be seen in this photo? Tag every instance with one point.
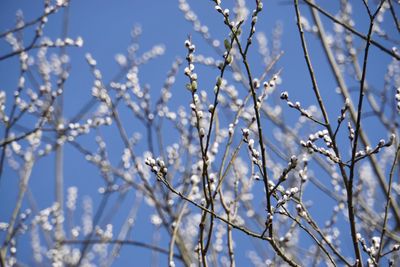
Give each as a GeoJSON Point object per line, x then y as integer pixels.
{"type": "Point", "coordinates": [105, 27]}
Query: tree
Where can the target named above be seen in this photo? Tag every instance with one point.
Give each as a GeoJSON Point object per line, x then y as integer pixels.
{"type": "Point", "coordinates": [223, 160]}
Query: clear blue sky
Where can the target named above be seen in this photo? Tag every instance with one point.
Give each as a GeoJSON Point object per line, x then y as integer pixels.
{"type": "Point", "coordinates": [105, 27]}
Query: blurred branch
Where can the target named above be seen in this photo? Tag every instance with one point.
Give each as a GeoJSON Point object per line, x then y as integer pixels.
{"type": "Point", "coordinates": [123, 242]}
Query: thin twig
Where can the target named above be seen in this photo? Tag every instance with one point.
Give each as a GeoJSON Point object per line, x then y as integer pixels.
{"type": "Point", "coordinates": [396, 155]}
{"type": "Point", "coordinates": [351, 29]}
